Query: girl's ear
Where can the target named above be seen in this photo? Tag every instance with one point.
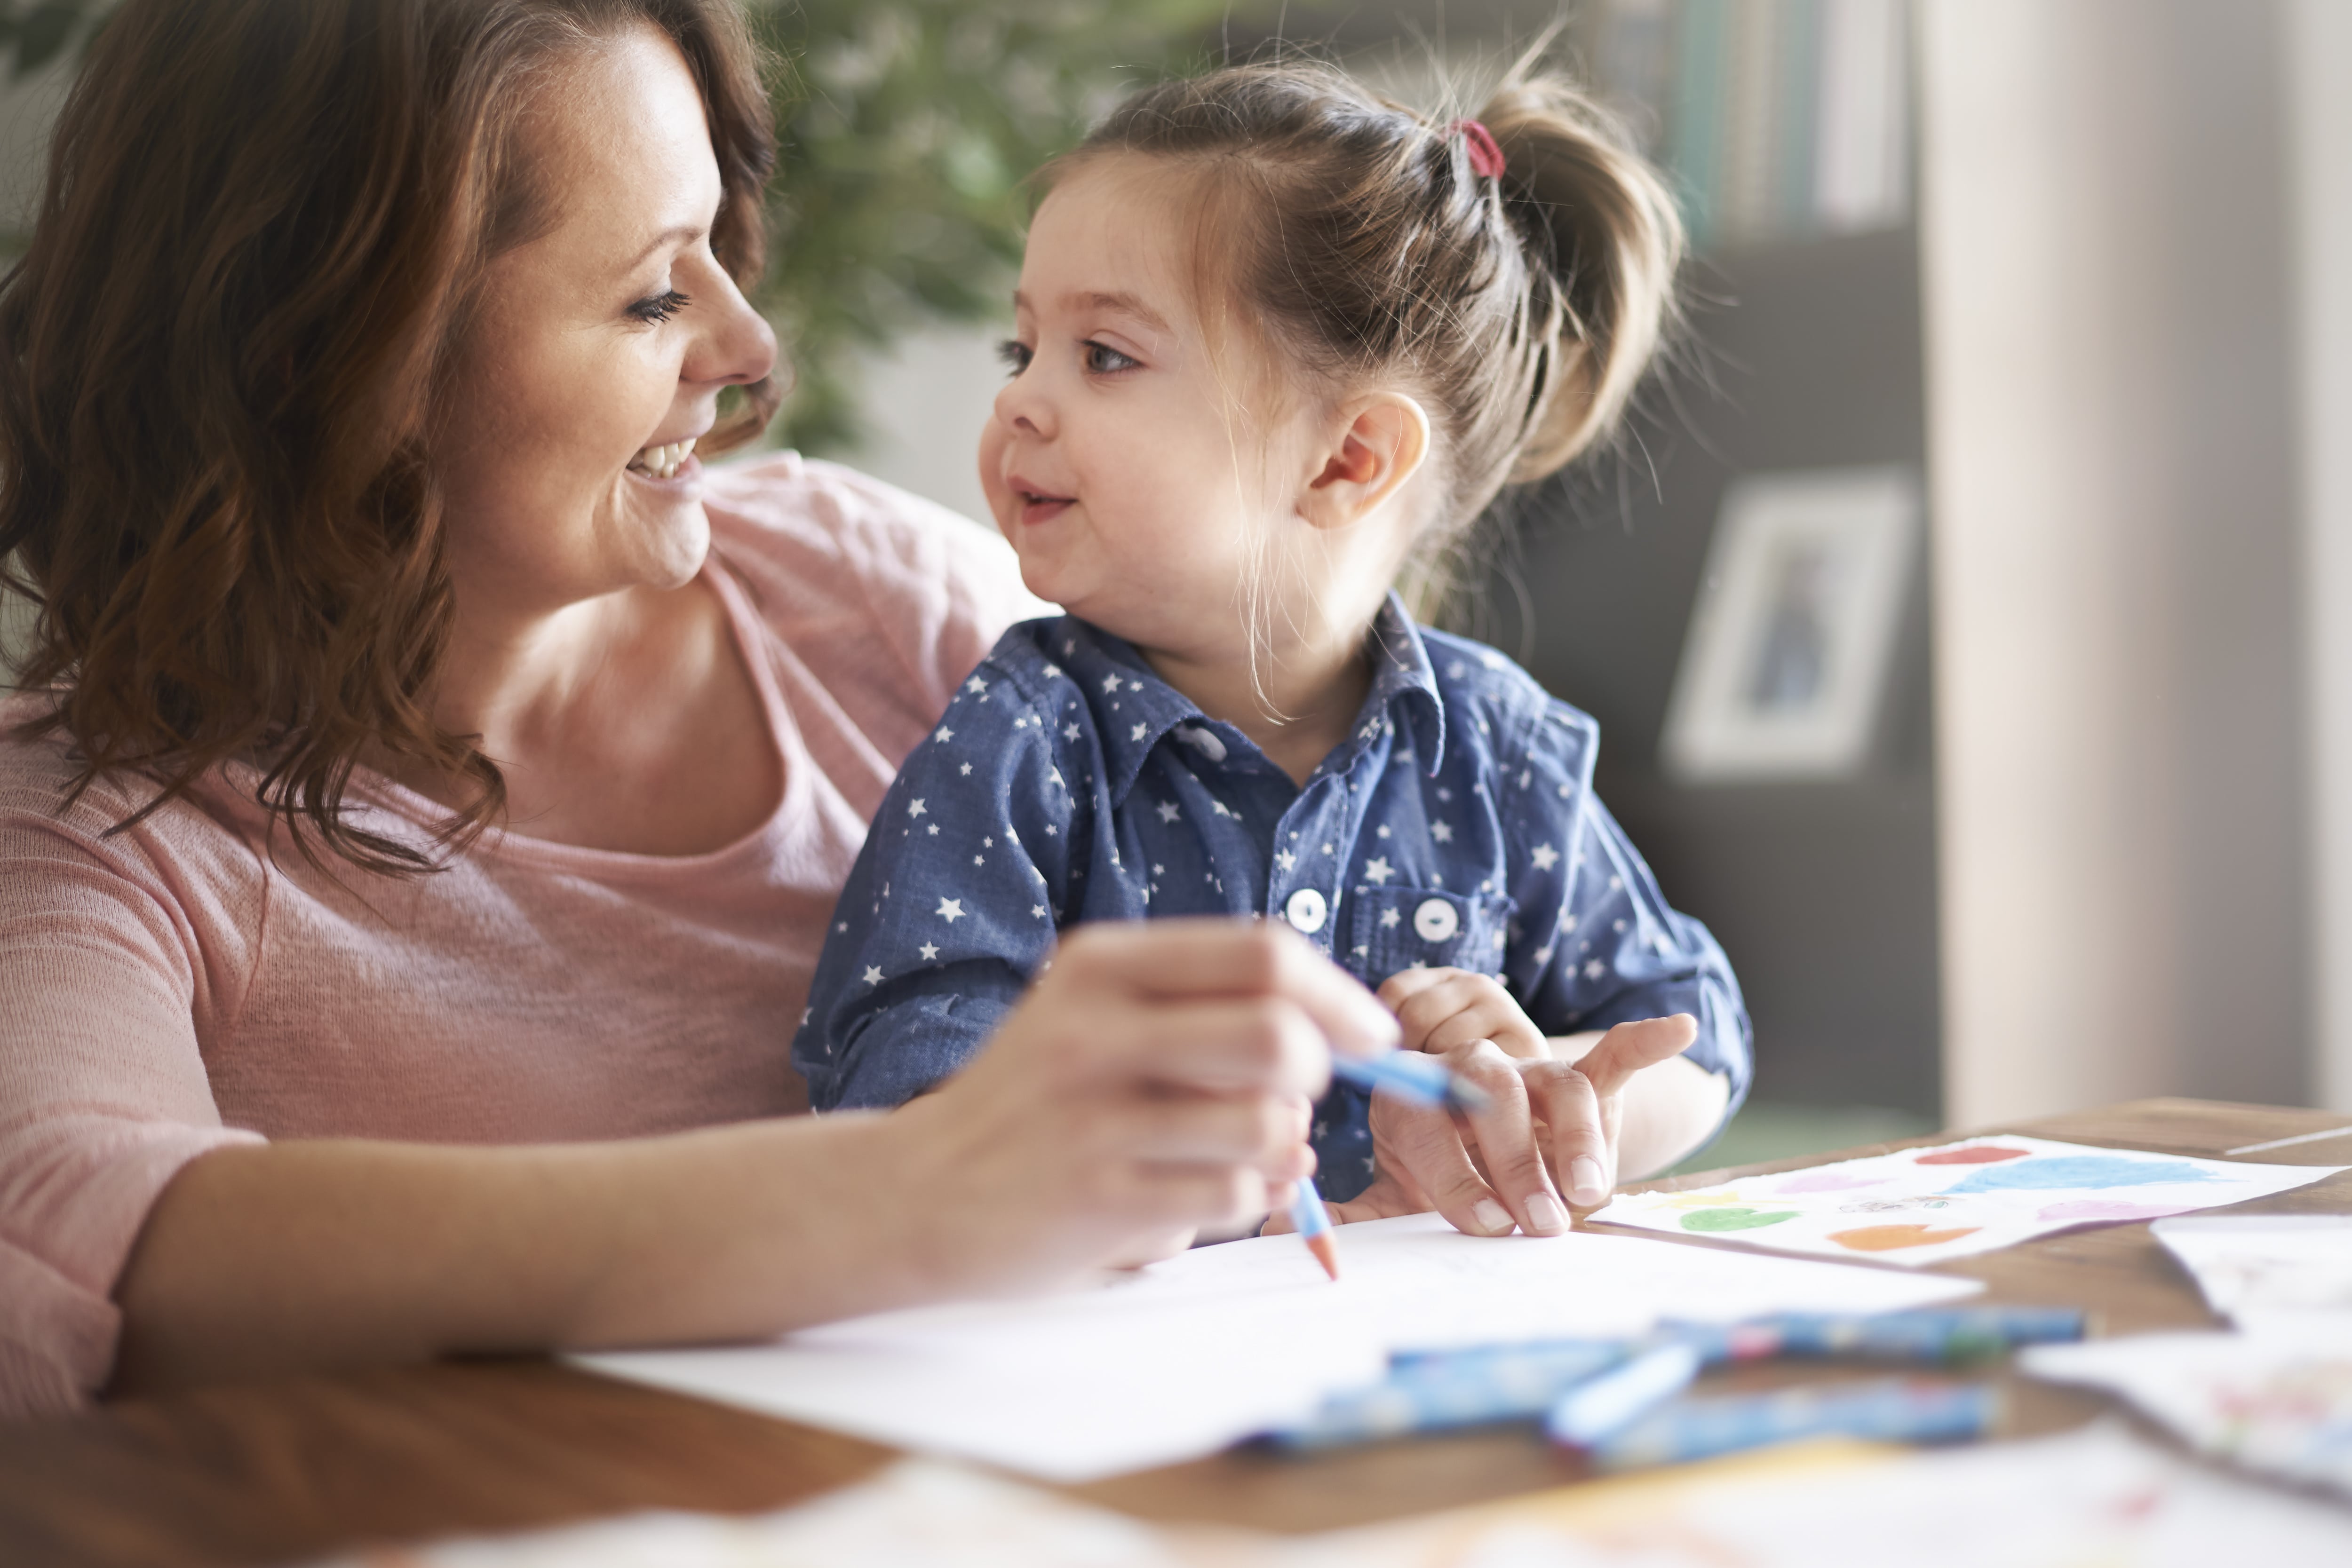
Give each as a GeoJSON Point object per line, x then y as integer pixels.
{"type": "Point", "coordinates": [1382, 440]}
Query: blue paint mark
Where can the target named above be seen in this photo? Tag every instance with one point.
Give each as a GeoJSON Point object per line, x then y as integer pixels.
{"type": "Point", "coordinates": [2076, 1170]}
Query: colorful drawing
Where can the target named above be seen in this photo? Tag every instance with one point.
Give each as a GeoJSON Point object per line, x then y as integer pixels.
{"type": "Point", "coordinates": [1713, 1221]}
{"type": "Point", "coordinates": [1971, 1154]}
{"type": "Point", "coordinates": [1894, 1238]}
{"type": "Point", "coordinates": [2079, 1171]}
{"type": "Point", "coordinates": [1918, 1207]}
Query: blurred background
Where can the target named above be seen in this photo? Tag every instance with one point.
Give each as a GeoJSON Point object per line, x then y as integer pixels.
{"type": "Point", "coordinates": [1960, 610]}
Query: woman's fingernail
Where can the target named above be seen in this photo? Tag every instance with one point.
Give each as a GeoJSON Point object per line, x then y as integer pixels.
{"type": "Point", "coordinates": [1492, 1217]}
{"type": "Point", "coordinates": [1585, 1175]}
{"type": "Point", "coordinates": [1545, 1215]}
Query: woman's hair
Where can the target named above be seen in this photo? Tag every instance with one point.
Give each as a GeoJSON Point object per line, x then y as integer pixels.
{"type": "Point", "coordinates": [1360, 239]}
{"type": "Point", "coordinates": [263, 223]}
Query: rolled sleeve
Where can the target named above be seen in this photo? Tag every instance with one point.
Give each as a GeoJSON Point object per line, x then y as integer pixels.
{"type": "Point", "coordinates": [103, 1094]}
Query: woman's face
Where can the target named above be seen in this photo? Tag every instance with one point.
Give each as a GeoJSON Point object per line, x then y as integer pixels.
{"type": "Point", "coordinates": [598, 350]}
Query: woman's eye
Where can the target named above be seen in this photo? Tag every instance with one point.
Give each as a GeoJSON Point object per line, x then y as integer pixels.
{"type": "Point", "coordinates": [660, 307]}
{"type": "Point", "coordinates": [1103, 359]}
{"type": "Point", "coordinates": [1015, 354]}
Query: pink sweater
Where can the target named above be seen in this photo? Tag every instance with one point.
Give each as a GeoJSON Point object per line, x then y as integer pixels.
{"type": "Point", "coordinates": [178, 988]}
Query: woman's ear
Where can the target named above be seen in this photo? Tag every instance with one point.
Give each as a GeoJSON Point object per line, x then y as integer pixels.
{"type": "Point", "coordinates": [1380, 442]}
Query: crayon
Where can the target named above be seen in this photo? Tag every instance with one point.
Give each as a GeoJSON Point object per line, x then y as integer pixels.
{"type": "Point", "coordinates": [1411, 1075]}
{"type": "Point", "coordinates": [1936, 1335]}
{"type": "Point", "coordinates": [1892, 1409]}
{"type": "Point", "coordinates": [1314, 1223]}
{"type": "Point", "coordinates": [1600, 1408]}
{"type": "Point", "coordinates": [1456, 1389]}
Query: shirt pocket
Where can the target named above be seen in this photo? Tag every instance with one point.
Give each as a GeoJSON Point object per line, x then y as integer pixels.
{"type": "Point", "coordinates": [1421, 928]}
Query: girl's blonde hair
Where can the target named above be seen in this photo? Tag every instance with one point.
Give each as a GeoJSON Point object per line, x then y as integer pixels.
{"type": "Point", "coordinates": [1359, 238]}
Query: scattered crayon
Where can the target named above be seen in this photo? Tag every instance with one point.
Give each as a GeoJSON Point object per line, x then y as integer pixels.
{"type": "Point", "coordinates": [1892, 1409]}
{"type": "Point", "coordinates": [1936, 1335]}
{"type": "Point", "coordinates": [1436, 1393]}
{"type": "Point", "coordinates": [1600, 1408]}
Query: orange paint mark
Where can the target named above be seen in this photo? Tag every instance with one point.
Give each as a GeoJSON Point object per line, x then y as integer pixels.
{"type": "Point", "coordinates": [1892, 1237]}
{"type": "Point", "coordinates": [1981, 1154]}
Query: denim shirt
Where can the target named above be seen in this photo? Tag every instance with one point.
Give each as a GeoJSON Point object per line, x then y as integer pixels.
{"type": "Point", "coordinates": [1457, 826]}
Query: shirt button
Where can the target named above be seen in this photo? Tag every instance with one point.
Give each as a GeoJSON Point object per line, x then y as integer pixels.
{"type": "Point", "coordinates": [1435, 920]}
{"type": "Point", "coordinates": [1305, 911]}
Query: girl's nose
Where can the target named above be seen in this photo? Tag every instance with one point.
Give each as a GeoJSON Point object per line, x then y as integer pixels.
{"type": "Point", "coordinates": [1023, 405]}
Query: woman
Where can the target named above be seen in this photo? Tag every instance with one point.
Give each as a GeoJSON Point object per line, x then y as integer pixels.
{"type": "Point", "coordinates": [413, 856]}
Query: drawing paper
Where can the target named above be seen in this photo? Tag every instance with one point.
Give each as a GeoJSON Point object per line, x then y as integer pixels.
{"type": "Point", "coordinates": [2276, 1399]}
{"type": "Point", "coordinates": [2255, 1267]}
{"type": "Point", "coordinates": [1192, 1354]}
{"type": "Point", "coordinates": [1922, 1205]}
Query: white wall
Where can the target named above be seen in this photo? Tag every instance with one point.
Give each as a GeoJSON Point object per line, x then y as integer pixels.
{"type": "Point", "coordinates": [2318, 47]}
{"type": "Point", "coordinates": [924, 404]}
{"type": "Point", "coordinates": [2111, 414]}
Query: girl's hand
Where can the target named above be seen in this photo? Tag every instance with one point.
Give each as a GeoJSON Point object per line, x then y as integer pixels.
{"type": "Point", "coordinates": [1550, 1127]}
{"type": "Point", "coordinates": [1154, 1080]}
{"type": "Point", "coordinates": [1442, 1009]}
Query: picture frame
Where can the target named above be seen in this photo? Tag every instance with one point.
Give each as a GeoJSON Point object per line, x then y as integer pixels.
{"type": "Point", "coordinates": [1786, 661]}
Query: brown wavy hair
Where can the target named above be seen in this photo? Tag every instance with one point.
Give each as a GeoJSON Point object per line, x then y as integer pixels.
{"type": "Point", "coordinates": [262, 226]}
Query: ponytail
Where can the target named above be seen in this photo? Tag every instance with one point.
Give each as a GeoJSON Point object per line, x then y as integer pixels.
{"type": "Point", "coordinates": [1604, 241]}
{"type": "Point", "coordinates": [1376, 245]}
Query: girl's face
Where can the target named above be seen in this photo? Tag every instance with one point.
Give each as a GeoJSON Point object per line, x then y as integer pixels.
{"type": "Point", "coordinates": [598, 349]}
{"type": "Point", "coordinates": [1117, 460]}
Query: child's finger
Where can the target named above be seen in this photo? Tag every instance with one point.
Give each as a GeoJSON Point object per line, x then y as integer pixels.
{"type": "Point", "coordinates": [1629, 1047]}
{"type": "Point", "coordinates": [1506, 1135]}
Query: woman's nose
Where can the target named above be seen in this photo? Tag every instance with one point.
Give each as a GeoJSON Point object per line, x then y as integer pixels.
{"type": "Point", "coordinates": [738, 348]}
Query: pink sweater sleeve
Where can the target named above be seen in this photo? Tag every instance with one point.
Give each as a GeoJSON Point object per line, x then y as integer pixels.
{"type": "Point", "coordinates": [103, 1092]}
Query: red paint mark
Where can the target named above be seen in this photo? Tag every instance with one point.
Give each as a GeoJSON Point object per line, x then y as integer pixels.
{"type": "Point", "coordinates": [1894, 1237]}
{"type": "Point", "coordinates": [1975, 1155]}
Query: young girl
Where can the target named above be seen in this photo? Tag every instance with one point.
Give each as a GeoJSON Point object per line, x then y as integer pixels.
{"type": "Point", "coordinates": [1279, 340]}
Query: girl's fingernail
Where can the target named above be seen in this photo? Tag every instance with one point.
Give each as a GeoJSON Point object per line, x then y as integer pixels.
{"type": "Point", "coordinates": [1585, 1175]}
{"type": "Point", "coordinates": [1492, 1217]}
{"type": "Point", "coordinates": [1545, 1215]}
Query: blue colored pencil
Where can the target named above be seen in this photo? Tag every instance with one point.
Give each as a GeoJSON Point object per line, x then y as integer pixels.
{"type": "Point", "coordinates": [1893, 1409]}
{"type": "Point", "coordinates": [1410, 1075]}
{"type": "Point", "coordinates": [1314, 1223]}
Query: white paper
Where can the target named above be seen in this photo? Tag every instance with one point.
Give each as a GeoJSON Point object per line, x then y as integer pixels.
{"type": "Point", "coordinates": [1201, 1351]}
{"type": "Point", "coordinates": [1924, 1205]}
{"type": "Point", "coordinates": [2278, 1399]}
{"type": "Point", "coordinates": [2255, 1267]}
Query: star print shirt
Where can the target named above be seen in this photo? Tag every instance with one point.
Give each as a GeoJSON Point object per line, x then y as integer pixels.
{"type": "Point", "coordinates": [1067, 783]}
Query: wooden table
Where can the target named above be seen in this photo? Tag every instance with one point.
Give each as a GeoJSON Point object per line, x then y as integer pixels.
{"type": "Point", "coordinates": [284, 1470]}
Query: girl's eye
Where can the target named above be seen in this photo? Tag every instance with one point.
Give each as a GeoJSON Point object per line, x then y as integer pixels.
{"type": "Point", "coordinates": [659, 308]}
{"type": "Point", "coordinates": [1103, 359]}
{"type": "Point", "coordinates": [1015, 354]}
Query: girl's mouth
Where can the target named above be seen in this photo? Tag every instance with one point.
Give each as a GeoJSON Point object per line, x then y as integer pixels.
{"type": "Point", "coordinates": [1037, 507]}
{"type": "Point", "coordinates": [664, 462]}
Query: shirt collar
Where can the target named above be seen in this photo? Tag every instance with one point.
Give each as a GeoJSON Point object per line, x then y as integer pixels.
{"type": "Point", "coordinates": [1133, 708]}
{"type": "Point", "coordinates": [1404, 685]}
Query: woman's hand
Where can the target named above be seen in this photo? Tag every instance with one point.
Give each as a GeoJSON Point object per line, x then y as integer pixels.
{"type": "Point", "coordinates": [1550, 1127]}
{"type": "Point", "coordinates": [1155, 1079]}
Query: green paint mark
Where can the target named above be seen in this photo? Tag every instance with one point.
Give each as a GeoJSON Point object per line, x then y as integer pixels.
{"type": "Point", "coordinates": [1707, 1220]}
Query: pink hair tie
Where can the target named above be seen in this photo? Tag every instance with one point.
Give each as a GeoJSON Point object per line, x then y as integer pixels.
{"type": "Point", "coordinates": [1485, 156]}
